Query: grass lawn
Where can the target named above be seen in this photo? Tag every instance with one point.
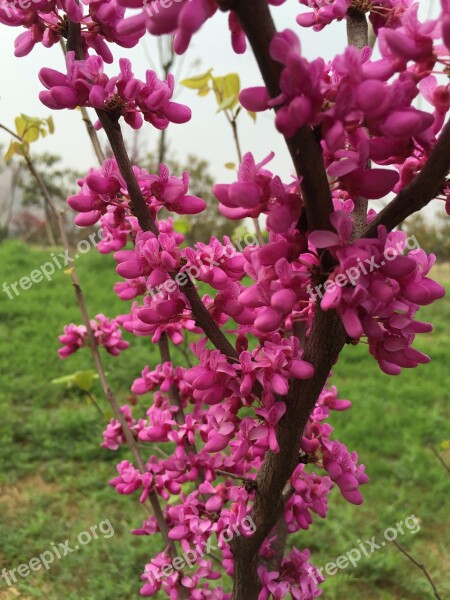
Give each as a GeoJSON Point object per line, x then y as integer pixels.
{"type": "Point", "coordinates": [53, 473]}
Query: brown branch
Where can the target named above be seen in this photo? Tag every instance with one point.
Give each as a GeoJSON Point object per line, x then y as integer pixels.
{"type": "Point", "coordinates": [201, 314]}
{"type": "Point", "coordinates": [278, 468]}
{"type": "Point", "coordinates": [93, 136]}
{"type": "Point", "coordinates": [87, 121]}
{"type": "Point", "coordinates": [421, 191]}
{"type": "Point", "coordinates": [174, 392]}
{"type": "Point", "coordinates": [109, 395]}
{"type": "Point", "coordinates": [140, 209]}
{"type": "Point", "coordinates": [113, 131]}
{"type": "Point", "coordinates": [305, 149]}
{"type": "Point", "coordinates": [419, 566]}
{"type": "Point", "coordinates": [358, 36]}
{"type": "Point", "coordinates": [440, 459]}
{"type": "Point", "coordinates": [357, 29]}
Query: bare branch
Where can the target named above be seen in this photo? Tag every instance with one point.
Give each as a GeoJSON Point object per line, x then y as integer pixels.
{"type": "Point", "coordinates": [419, 566]}
{"type": "Point", "coordinates": [426, 186]}
{"type": "Point", "coordinates": [440, 459]}
{"type": "Point", "coordinates": [358, 36]}
{"type": "Point", "coordinates": [109, 394]}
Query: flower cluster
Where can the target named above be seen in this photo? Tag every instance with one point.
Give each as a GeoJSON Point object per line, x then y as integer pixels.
{"type": "Point", "coordinates": [45, 22]}
{"type": "Point", "coordinates": [86, 84]}
{"type": "Point", "coordinates": [294, 578]}
{"type": "Point", "coordinates": [106, 331]}
{"type": "Point", "coordinates": [362, 115]}
{"type": "Point", "coordinates": [104, 196]}
{"type": "Point", "coordinates": [257, 192]}
{"type": "Point", "coordinates": [382, 13]}
{"type": "Point", "coordinates": [385, 299]}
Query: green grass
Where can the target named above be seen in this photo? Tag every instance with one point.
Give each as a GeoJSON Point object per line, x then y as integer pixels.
{"type": "Point", "coordinates": [53, 473]}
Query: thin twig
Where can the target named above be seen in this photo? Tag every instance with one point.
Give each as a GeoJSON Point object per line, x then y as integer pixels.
{"type": "Point", "coordinates": [232, 120]}
{"type": "Point", "coordinates": [440, 459]}
{"type": "Point", "coordinates": [88, 123]}
{"type": "Point", "coordinates": [95, 403]}
{"type": "Point", "coordinates": [419, 566]}
{"type": "Point", "coordinates": [131, 441]}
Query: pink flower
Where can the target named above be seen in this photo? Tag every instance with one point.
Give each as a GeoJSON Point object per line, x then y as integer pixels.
{"type": "Point", "coordinates": [343, 469]}
{"type": "Point", "coordinates": [250, 194]}
{"type": "Point", "coordinates": [129, 480]}
{"type": "Point", "coordinates": [73, 339]}
{"type": "Point", "coordinates": [86, 84]}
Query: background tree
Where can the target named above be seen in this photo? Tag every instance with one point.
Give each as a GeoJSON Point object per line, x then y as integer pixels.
{"type": "Point", "coordinates": [60, 182]}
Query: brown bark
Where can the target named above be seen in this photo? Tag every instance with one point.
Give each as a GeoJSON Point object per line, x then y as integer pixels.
{"type": "Point", "coordinates": [305, 150]}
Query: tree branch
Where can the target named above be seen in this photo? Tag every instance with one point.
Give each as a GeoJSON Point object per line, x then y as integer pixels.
{"type": "Point", "coordinates": [113, 131]}
{"type": "Point", "coordinates": [306, 152]}
{"type": "Point", "coordinates": [419, 566]}
{"type": "Point", "coordinates": [277, 468]}
{"type": "Point", "coordinates": [109, 395]}
{"type": "Point", "coordinates": [439, 457]}
{"type": "Point", "coordinates": [420, 192]}
{"type": "Point", "coordinates": [358, 36]}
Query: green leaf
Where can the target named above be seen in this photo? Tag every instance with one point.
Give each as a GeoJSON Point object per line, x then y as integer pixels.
{"type": "Point", "coordinates": [85, 380]}
{"type": "Point", "coordinates": [68, 379]}
{"type": "Point", "coordinates": [182, 225]}
{"type": "Point", "coordinates": [226, 88]}
{"type": "Point", "coordinates": [13, 149]}
{"type": "Point", "coordinates": [51, 125]}
{"type": "Point", "coordinates": [197, 82]}
{"type": "Point", "coordinates": [21, 125]}
{"type": "Point", "coordinates": [227, 103]}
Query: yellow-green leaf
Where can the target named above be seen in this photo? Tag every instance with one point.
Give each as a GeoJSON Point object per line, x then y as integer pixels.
{"type": "Point", "coordinates": [252, 115]}
{"type": "Point", "coordinates": [227, 87]}
{"type": "Point", "coordinates": [204, 91]}
{"type": "Point", "coordinates": [227, 103]}
{"type": "Point", "coordinates": [10, 152]}
{"type": "Point", "coordinates": [31, 133]}
{"type": "Point", "coordinates": [21, 125]}
{"type": "Point", "coordinates": [50, 125]}
{"type": "Point", "coordinates": [182, 225]}
{"type": "Point", "coordinates": [230, 165]}
{"type": "Point", "coordinates": [197, 82]}
{"type": "Point", "coordinates": [85, 380]}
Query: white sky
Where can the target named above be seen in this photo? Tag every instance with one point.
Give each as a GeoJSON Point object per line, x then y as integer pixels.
{"type": "Point", "coordinates": [207, 135]}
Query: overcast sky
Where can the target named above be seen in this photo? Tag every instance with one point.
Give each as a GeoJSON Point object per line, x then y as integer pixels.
{"type": "Point", "coordinates": [207, 135]}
